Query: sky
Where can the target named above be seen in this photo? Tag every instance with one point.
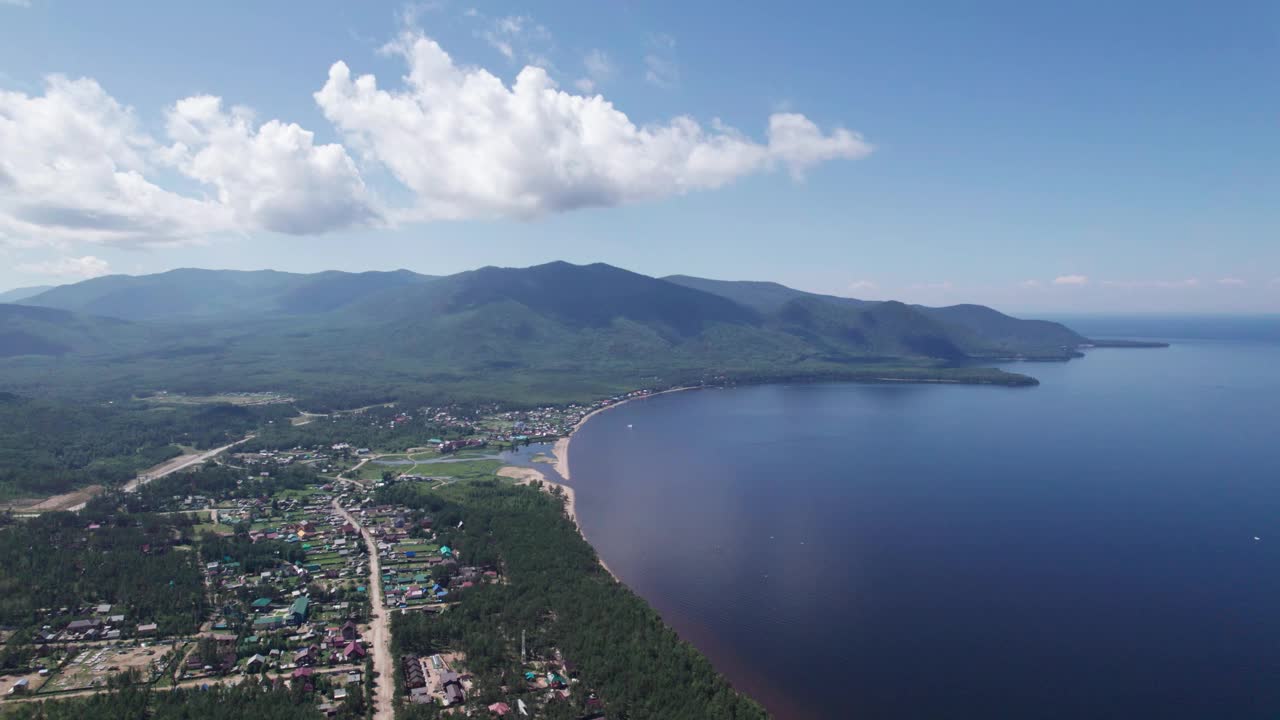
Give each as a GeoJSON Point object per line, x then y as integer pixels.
{"type": "Point", "coordinates": [1055, 157]}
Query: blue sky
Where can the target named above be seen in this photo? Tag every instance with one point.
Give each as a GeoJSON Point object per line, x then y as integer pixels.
{"type": "Point", "coordinates": [1033, 156]}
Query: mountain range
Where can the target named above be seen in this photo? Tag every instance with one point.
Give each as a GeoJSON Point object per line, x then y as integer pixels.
{"type": "Point", "coordinates": [545, 328]}
{"type": "Point", "coordinates": [22, 293]}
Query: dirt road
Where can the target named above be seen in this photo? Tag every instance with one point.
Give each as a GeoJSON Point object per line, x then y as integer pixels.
{"type": "Point", "coordinates": [169, 467]}
{"type": "Point", "coordinates": [180, 463]}
{"type": "Point", "coordinates": [192, 683]}
{"type": "Point", "coordinates": [379, 627]}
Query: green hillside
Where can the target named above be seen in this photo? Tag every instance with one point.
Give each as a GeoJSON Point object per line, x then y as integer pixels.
{"type": "Point", "coordinates": [50, 332]}
{"type": "Point", "coordinates": [966, 330]}
{"type": "Point", "coordinates": [764, 297]}
{"type": "Point", "coordinates": [547, 333]}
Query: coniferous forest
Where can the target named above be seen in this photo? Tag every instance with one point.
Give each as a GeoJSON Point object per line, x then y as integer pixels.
{"type": "Point", "coordinates": [558, 593]}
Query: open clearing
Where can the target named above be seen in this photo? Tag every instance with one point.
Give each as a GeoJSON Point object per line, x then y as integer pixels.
{"type": "Point", "coordinates": [264, 398]}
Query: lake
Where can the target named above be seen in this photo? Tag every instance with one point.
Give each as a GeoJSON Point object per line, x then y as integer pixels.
{"type": "Point", "coordinates": [1085, 548]}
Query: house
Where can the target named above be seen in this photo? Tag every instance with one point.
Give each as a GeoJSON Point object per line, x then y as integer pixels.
{"type": "Point", "coordinates": [499, 708]}
{"type": "Point", "coordinates": [413, 675]}
{"type": "Point", "coordinates": [339, 694]}
{"type": "Point", "coordinates": [453, 694]}
{"type": "Point", "coordinates": [270, 622]}
{"type": "Point", "coordinates": [255, 663]}
{"type": "Point", "coordinates": [306, 656]}
{"type": "Point", "coordinates": [350, 631]}
{"type": "Point", "coordinates": [419, 695]}
{"type": "Point", "coordinates": [83, 625]}
{"type": "Point", "coordinates": [298, 612]}
{"type": "Point", "coordinates": [20, 687]}
{"type": "Point", "coordinates": [303, 673]}
{"type": "Point", "coordinates": [451, 685]}
{"type": "Point", "coordinates": [353, 651]}
{"type": "Point", "coordinates": [261, 604]}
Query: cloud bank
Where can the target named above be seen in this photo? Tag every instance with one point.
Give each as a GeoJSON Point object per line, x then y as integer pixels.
{"type": "Point", "coordinates": [76, 165]}
{"type": "Point", "coordinates": [72, 164]}
{"type": "Point", "coordinates": [470, 146]}
{"type": "Point", "coordinates": [76, 268]}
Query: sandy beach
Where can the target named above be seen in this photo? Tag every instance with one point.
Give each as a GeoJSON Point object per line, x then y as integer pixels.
{"type": "Point", "coordinates": [561, 448]}
{"type": "Point", "coordinates": [525, 475]}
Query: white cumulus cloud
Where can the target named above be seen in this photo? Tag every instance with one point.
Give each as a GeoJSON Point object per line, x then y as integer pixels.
{"type": "Point", "coordinates": [79, 268]}
{"type": "Point", "coordinates": [72, 165]}
{"type": "Point", "coordinates": [272, 176]}
{"type": "Point", "coordinates": [75, 166]}
{"type": "Point", "coordinates": [1071, 280]}
{"type": "Point", "coordinates": [470, 146]}
{"type": "Point", "coordinates": [1153, 284]}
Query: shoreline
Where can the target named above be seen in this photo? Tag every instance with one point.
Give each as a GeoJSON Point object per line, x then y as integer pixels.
{"type": "Point", "coordinates": [561, 447]}
{"type": "Point", "coordinates": [526, 475]}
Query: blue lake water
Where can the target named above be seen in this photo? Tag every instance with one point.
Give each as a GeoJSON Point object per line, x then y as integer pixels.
{"type": "Point", "coordinates": [1084, 548]}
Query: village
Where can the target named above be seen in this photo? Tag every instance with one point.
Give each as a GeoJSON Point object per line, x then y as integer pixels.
{"type": "Point", "coordinates": [301, 584]}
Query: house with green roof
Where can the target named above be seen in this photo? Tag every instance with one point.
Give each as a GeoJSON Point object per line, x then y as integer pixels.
{"type": "Point", "coordinates": [269, 622]}
{"type": "Point", "coordinates": [298, 612]}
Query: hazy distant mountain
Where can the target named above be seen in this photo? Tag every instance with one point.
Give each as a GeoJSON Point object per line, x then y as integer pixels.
{"type": "Point", "coordinates": [765, 297]}
{"type": "Point", "coordinates": [550, 330]}
{"type": "Point", "coordinates": [973, 330]}
{"type": "Point", "coordinates": [999, 334]}
{"type": "Point", "coordinates": [16, 294]}
{"type": "Point", "coordinates": [193, 293]}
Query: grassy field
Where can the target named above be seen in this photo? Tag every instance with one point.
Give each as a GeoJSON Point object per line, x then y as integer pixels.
{"type": "Point", "coordinates": [260, 398]}
{"type": "Point", "coordinates": [461, 470]}
{"type": "Point", "coordinates": [468, 470]}
{"type": "Point", "coordinates": [301, 494]}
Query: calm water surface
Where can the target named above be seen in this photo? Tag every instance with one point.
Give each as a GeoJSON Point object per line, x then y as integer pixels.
{"type": "Point", "coordinates": [1080, 549]}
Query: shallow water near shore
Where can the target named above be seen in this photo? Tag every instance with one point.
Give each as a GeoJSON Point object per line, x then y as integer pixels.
{"type": "Point", "coordinates": [1084, 548]}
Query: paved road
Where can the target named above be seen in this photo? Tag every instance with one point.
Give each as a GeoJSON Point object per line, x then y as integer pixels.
{"type": "Point", "coordinates": [379, 631]}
